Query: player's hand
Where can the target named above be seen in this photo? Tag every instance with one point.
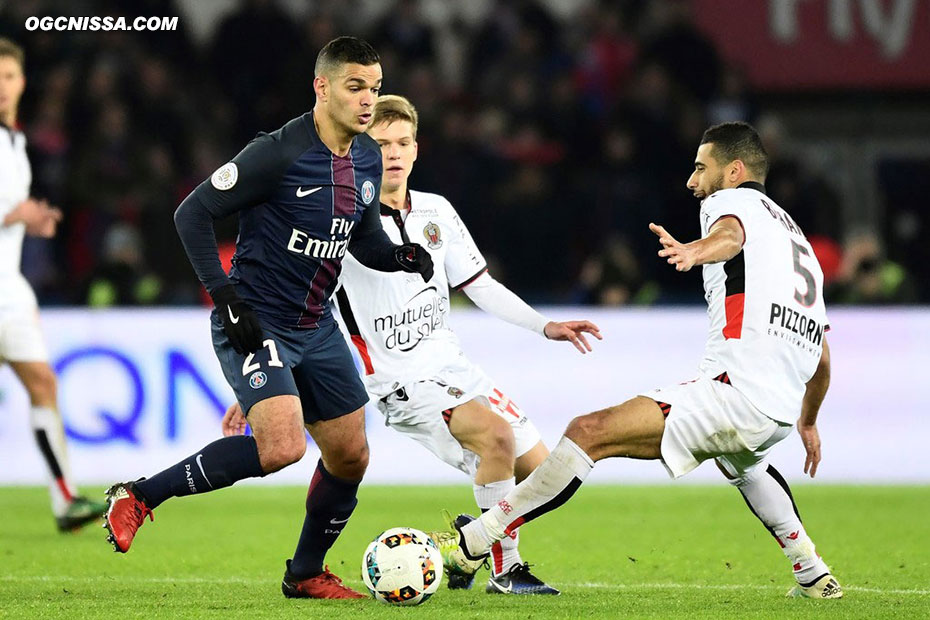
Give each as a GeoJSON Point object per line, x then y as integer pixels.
{"type": "Point", "coordinates": [414, 258]}
{"type": "Point", "coordinates": [40, 218]}
{"type": "Point", "coordinates": [48, 222]}
{"type": "Point", "coordinates": [676, 253]}
{"type": "Point", "coordinates": [811, 439]}
{"type": "Point", "coordinates": [239, 320]}
{"type": "Point", "coordinates": [573, 331]}
{"type": "Point", "coordinates": [234, 422]}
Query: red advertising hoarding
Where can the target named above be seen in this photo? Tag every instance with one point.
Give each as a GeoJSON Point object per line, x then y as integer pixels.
{"type": "Point", "coordinates": [822, 44]}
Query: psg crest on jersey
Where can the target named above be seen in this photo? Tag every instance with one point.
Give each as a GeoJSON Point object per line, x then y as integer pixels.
{"type": "Point", "coordinates": [432, 234]}
{"type": "Point", "coordinates": [368, 192]}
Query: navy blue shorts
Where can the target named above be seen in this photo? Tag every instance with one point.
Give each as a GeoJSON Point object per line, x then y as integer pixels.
{"type": "Point", "coordinates": [313, 364]}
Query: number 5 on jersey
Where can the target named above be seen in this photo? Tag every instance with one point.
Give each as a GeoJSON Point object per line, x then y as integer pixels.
{"type": "Point", "coordinates": [808, 298]}
{"type": "Point", "coordinates": [248, 366]}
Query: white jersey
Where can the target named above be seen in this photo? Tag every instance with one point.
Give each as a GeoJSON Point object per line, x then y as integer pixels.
{"type": "Point", "coordinates": [15, 179]}
{"type": "Point", "coordinates": [767, 315]}
{"type": "Point", "coordinates": [397, 321]}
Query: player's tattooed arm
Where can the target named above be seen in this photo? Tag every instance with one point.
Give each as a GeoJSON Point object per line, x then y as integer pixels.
{"type": "Point", "coordinates": [810, 407]}
{"type": "Point", "coordinates": [724, 241]}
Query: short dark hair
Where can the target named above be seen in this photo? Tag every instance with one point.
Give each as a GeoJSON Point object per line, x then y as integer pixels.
{"type": "Point", "coordinates": [738, 140]}
{"type": "Point", "coordinates": [344, 50]}
{"type": "Point", "coordinates": [11, 50]}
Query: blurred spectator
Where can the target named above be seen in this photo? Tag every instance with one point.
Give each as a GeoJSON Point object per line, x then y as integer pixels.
{"type": "Point", "coordinates": [521, 241]}
{"type": "Point", "coordinates": [613, 278]}
{"type": "Point", "coordinates": [122, 278]}
{"type": "Point", "coordinates": [158, 105]}
{"type": "Point", "coordinates": [904, 185]}
{"type": "Point", "coordinates": [249, 59]}
{"type": "Point", "coordinates": [404, 31]}
{"type": "Point", "coordinates": [606, 60]}
{"type": "Point", "coordinates": [674, 42]}
{"type": "Point", "coordinates": [868, 277]}
{"type": "Point", "coordinates": [625, 193]}
{"type": "Point", "coordinates": [733, 102]}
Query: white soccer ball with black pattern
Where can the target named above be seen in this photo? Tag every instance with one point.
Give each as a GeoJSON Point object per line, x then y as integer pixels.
{"type": "Point", "coordinates": [402, 566]}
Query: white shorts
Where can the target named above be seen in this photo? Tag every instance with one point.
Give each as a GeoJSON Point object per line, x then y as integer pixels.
{"type": "Point", "coordinates": [21, 337]}
{"type": "Point", "coordinates": [707, 418]}
{"type": "Point", "coordinates": [421, 410]}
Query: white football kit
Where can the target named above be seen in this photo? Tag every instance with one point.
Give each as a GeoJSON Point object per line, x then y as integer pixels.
{"type": "Point", "coordinates": [20, 335]}
{"type": "Point", "coordinates": [767, 325]}
{"type": "Point", "coordinates": [413, 364]}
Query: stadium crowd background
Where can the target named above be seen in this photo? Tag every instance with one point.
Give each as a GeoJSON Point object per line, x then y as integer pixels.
{"type": "Point", "coordinates": [558, 130]}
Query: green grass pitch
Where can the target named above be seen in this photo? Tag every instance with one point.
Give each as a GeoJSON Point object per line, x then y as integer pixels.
{"type": "Point", "coordinates": [670, 551]}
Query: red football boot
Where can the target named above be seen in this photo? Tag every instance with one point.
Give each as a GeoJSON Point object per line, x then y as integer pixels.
{"type": "Point", "coordinates": [324, 585]}
{"type": "Point", "coordinates": [125, 515]}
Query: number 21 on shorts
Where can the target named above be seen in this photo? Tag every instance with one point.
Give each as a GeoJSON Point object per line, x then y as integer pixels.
{"type": "Point", "coordinates": [275, 361]}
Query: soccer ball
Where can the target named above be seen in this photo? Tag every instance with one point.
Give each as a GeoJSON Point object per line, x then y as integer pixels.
{"type": "Point", "coordinates": [402, 566]}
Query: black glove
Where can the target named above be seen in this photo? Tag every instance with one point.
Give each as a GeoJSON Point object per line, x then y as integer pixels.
{"type": "Point", "coordinates": [414, 258]}
{"type": "Point", "coordinates": [239, 320]}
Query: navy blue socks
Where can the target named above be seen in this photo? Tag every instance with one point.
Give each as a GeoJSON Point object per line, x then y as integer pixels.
{"type": "Point", "coordinates": [219, 465]}
{"type": "Point", "coordinates": [330, 502]}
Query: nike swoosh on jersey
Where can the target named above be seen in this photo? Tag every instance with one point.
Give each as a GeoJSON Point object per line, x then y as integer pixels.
{"type": "Point", "coordinates": [337, 522]}
{"type": "Point", "coordinates": [232, 317]}
{"type": "Point", "coordinates": [301, 193]}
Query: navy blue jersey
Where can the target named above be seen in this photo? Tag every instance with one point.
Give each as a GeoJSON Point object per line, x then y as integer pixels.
{"type": "Point", "coordinates": [301, 208]}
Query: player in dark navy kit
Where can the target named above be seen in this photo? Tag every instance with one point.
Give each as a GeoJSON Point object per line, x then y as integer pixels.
{"type": "Point", "coordinates": [306, 194]}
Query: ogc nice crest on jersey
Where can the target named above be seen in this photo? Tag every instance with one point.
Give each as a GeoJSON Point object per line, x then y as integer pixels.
{"type": "Point", "coordinates": [431, 232]}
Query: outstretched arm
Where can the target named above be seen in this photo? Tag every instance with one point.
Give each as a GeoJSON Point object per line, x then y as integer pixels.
{"type": "Point", "coordinates": [810, 407]}
{"type": "Point", "coordinates": [495, 298]}
{"type": "Point", "coordinates": [724, 241]}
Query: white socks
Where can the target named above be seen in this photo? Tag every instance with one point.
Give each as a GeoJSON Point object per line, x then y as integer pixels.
{"type": "Point", "coordinates": [769, 498]}
{"type": "Point", "coordinates": [504, 553]}
{"type": "Point", "coordinates": [50, 435]}
{"type": "Point", "coordinates": [548, 487]}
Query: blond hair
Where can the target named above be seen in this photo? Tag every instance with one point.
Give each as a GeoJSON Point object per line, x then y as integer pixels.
{"type": "Point", "coordinates": [8, 48]}
{"type": "Point", "coordinates": [390, 108]}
